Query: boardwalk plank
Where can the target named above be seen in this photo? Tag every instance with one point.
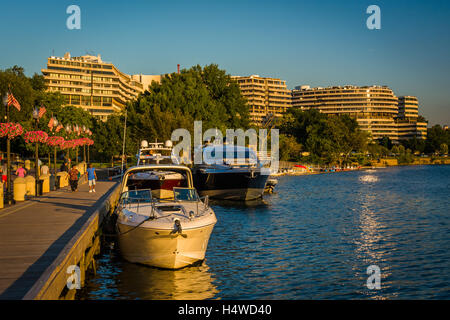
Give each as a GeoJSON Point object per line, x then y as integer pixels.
{"type": "Point", "coordinates": [32, 234]}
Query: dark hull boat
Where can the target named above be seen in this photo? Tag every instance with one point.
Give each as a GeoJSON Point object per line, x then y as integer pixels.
{"type": "Point", "coordinates": [235, 175]}
{"type": "Point", "coordinates": [231, 184]}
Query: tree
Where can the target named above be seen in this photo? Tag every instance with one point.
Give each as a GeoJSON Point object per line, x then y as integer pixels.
{"type": "Point", "coordinates": [405, 157]}
{"type": "Point", "coordinates": [108, 137]}
{"type": "Point", "coordinates": [290, 149]}
{"type": "Point", "coordinates": [329, 139]}
{"type": "Point", "coordinates": [385, 142]}
{"type": "Point", "coordinates": [421, 119]}
{"type": "Point", "coordinates": [444, 148]}
{"type": "Point", "coordinates": [436, 136]}
{"type": "Point", "coordinates": [206, 94]}
{"type": "Point", "coordinates": [414, 144]}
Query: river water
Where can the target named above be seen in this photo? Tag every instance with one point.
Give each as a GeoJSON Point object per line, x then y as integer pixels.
{"type": "Point", "coordinates": [313, 239]}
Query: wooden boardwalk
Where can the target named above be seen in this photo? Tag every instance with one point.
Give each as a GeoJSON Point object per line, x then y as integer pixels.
{"type": "Point", "coordinates": [35, 232]}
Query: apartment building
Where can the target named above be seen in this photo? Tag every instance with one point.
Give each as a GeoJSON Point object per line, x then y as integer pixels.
{"type": "Point", "coordinates": [408, 121]}
{"type": "Point", "coordinates": [408, 107]}
{"type": "Point", "coordinates": [96, 86]}
{"type": "Point", "coordinates": [374, 107]}
{"type": "Point", "coordinates": [265, 97]}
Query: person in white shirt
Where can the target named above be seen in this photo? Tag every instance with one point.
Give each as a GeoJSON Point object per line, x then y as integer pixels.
{"type": "Point", "coordinates": [44, 169]}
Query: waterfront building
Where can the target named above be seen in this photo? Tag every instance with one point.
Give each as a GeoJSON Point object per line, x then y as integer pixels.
{"type": "Point", "coordinates": [266, 97]}
{"type": "Point", "coordinates": [408, 122]}
{"type": "Point", "coordinates": [374, 107]}
{"type": "Point", "coordinates": [96, 86]}
{"type": "Point", "coordinates": [146, 80]}
{"type": "Point", "coordinates": [408, 129]}
{"type": "Point", "coordinates": [408, 107]}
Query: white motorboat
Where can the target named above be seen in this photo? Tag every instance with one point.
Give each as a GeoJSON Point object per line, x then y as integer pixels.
{"type": "Point", "coordinates": [160, 182]}
{"type": "Point", "coordinates": [168, 233]}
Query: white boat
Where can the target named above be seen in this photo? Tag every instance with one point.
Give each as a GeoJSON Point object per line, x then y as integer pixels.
{"type": "Point", "coordinates": [169, 233]}
{"type": "Point", "coordinates": [156, 153]}
{"type": "Point", "coordinates": [161, 182]}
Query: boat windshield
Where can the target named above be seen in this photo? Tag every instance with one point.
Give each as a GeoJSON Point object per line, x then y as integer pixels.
{"type": "Point", "coordinates": [185, 194]}
{"type": "Point", "coordinates": [137, 196]}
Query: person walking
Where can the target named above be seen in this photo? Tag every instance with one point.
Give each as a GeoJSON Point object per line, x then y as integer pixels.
{"type": "Point", "coordinates": [92, 177]}
{"type": "Point", "coordinates": [5, 174]}
{"type": "Point", "coordinates": [21, 172]}
{"type": "Point", "coordinates": [44, 169]}
{"type": "Point", "coordinates": [74, 174]}
{"type": "Point", "coordinates": [63, 167]}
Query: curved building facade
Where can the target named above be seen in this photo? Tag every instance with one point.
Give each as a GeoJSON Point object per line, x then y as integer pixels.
{"type": "Point", "coordinates": [92, 84]}
{"type": "Point", "coordinates": [408, 107]}
{"type": "Point", "coordinates": [374, 107]}
{"type": "Point", "coordinates": [265, 96]}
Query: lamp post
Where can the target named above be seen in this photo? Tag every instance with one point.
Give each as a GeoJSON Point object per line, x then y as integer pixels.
{"type": "Point", "coordinates": [9, 198]}
{"type": "Point", "coordinates": [84, 145]}
{"type": "Point", "coordinates": [68, 129]}
{"type": "Point", "coordinates": [36, 165]}
{"type": "Point", "coordinates": [55, 121]}
{"type": "Point", "coordinates": [76, 148]}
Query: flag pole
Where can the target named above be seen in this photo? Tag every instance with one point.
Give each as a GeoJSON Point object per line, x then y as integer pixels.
{"type": "Point", "coordinates": [124, 135]}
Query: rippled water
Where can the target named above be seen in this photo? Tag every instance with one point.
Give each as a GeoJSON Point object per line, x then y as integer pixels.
{"type": "Point", "coordinates": [313, 239]}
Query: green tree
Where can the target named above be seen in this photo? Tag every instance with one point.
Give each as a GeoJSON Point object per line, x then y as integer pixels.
{"type": "Point", "coordinates": [290, 149]}
{"type": "Point", "coordinates": [329, 139]}
{"type": "Point", "coordinates": [444, 148]}
{"type": "Point", "coordinates": [436, 136]}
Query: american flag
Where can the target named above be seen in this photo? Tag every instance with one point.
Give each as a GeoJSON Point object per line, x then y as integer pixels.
{"type": "Point", "coordinates": [42, 111]}
{"type": "Point", "coordinates": [13, 101]}
{"type": "Point", "coordinates": [50, 124]}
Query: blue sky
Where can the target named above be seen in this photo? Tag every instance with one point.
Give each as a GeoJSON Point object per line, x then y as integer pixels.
{"type": "Point", "coordinates": [319, 43]}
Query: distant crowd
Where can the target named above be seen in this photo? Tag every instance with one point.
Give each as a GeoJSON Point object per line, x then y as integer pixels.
{"type": "Point", "coordinates": [66, 166]}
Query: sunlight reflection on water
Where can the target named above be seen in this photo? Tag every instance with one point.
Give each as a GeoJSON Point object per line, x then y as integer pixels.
{"type": "Point", "coordinates": [313, 239]}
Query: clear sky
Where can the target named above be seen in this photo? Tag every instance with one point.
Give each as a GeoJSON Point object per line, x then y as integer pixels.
{"type": "Point", "coordinates": [319, 43]}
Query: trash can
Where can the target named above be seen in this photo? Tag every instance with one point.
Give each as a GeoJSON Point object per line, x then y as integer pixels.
{"type": "Point", "coordinates": [58, 181]}
{"type": "Point", "coordinates": [20, 189]}
{"type": "Point", "coordinates": [52, 183]}
{"type": "Point", "coordinates": [46, 183]}
{"type": "Point", "coordinates": [1, 196]}
{"type": "Point", "coordinates": [30, 185]}
{"type": "Point", "coordinates": [40, 183]}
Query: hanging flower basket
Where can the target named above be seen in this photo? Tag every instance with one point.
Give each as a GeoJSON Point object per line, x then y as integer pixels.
{"type": "Point", "coordinates": [78, 142]}
{"type": "Point", "coordinates": [55, 141]}
{"type": "Point", "coordinates": [10, 129]}
{"type": "Point", "coordinates": [89, 142]}
{"type": "Point", "coordinates": [36, 136]}
{"type": "Point", "coordinates": [68, 144]}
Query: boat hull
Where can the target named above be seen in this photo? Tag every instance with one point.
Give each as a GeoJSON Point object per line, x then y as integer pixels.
{"type": "Point", "coordinates": [162, 249]}
{"type": "Point", "coordinates": [230, 185]}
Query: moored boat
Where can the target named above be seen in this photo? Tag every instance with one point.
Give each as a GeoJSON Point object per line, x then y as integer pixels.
{"type": "Point", "coordinates": [168, 233]}
{"type": "Point", "coordinates": [237, 175]}
{"type": "Point", "coordinates": [160, 182]}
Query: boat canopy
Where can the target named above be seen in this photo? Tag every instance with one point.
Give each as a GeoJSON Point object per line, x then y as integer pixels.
{"type": "Point", "coordinates": [185, 171]}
